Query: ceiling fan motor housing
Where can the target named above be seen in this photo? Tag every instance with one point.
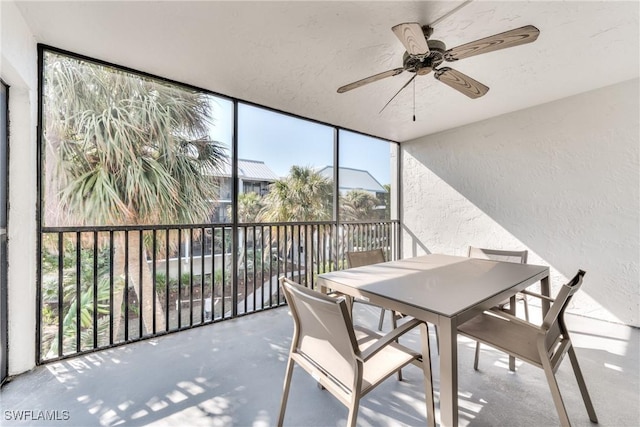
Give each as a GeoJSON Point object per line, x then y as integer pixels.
{"type": "Point", "coordinates": [425, 66]}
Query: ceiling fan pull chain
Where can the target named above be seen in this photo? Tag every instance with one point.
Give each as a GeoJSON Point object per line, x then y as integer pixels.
{"type": "Point", "coordinates": [414, 100]}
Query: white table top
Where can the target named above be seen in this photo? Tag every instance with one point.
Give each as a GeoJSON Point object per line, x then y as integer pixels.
{"type": "Point", "coordinates": [443, 284]}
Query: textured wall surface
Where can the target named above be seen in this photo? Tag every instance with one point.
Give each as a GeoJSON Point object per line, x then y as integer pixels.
{"type": "Point", "coordinates": [560, 179]}
{"type": "Point", "coordinates": [19, 70]}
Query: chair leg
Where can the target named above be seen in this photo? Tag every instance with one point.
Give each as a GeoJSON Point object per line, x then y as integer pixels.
{"type": "Point", "coordinates": [382, 310]}
{"type": "Point", "coordinates": [475, 361]}
{"type": "Point", "coordinates": [353, 412]}
{"type": "Point", "coordinates": [285, 391]}
{"type": "Point", "coordinates": [437, 340]}
{"type": "Point", "coordinates": [555, 393]}
{"type": "Point", "coordinates": [582, 385]}
{"type": "Point", "coordinates": [526, 309]}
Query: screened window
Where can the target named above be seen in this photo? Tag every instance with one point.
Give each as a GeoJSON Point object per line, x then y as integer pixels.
{"type": "Point", "coordinates": [122, 149]}
{"type": "Point", "coordinates": [151, 222]}
{"type": "Point", "coordinates": [282, 167]}
{"type": "Point", "coordinates": [368, 183]}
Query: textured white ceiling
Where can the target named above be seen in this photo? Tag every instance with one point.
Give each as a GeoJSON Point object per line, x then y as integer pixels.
{"type": "Point", "coordinates": [292, 56]}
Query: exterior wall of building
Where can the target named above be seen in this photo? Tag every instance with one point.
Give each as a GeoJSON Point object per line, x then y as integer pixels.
{"type": "Point", "coordinates": [19, 71]}
{"type": "Point", "coordinates": [560, 179]}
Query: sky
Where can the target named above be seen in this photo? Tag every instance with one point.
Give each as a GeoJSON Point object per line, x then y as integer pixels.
{"type": "Point", "coordinates": [282, 141]}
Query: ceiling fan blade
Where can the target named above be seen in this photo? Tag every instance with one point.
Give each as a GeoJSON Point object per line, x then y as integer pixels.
{"type": "Point", "coordinates": [412, 37]}
{"type": "Point", "coordinates": [522, 35]}
{"type": "Point", "coordinates": [461, 82]}
{"type": "Point", "coordinates": [370, 79]}
{"type": "Point", "coordinates": [394, 96]}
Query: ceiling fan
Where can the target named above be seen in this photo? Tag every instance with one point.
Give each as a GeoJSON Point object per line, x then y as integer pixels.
{"type": "Point", "coordinates": [424, 55]}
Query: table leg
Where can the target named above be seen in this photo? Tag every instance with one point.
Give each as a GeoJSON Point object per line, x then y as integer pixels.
{"type": "Point", "coordinates": [546, 291]}
{"type": "Point", "coordinates": [428, 377]}
{"type": "Point", "coordinates": [512, 311]}
{"type": "Point", "coordinates": [448, 372]}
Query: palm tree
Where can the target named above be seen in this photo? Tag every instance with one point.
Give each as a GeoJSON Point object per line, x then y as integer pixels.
{"type": "Point", "coordinates": [304, 195]}
{"type": "Point", "coordinates": [123, 149]}
{"type": "Point", "coordinates": [249, 207]}
{"type": "Point", "coordinates": [358, 205]}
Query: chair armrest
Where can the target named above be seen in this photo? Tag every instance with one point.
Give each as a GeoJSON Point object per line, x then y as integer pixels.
{"type": "Point", "coordinates": [507, 316]}
{"type": "Point", "coordinates": [388, 338]}
{"type": "Point", "coordinates": [536, 295]}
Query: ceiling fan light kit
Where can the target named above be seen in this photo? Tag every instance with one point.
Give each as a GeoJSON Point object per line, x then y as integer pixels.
{"type": "Point", "coordinates": [424, 55]}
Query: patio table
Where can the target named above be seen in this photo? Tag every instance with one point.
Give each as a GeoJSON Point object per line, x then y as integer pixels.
{"type": "Point", "coordinates": [443, 290]}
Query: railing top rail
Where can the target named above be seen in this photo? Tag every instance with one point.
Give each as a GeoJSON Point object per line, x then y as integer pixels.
{"type": "Point", "coordinates": [106, 228]}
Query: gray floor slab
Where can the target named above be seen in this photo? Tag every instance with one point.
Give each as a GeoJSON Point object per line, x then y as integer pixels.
{"type": "Point", "coordinates": [231, 373]}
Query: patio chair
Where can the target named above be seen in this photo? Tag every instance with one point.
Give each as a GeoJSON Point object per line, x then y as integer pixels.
{"type": "Point", "coordinates": [500, 255]}
{"type": "Point", "coordinates": [543, 346]}
{"type": "Point", "coordinates": [361, 258]}
{"type": "Point", "coordinates": [347, 360]}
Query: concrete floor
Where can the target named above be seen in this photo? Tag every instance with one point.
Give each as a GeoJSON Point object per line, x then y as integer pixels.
{"type": "Point", "coordinates": [231, 373]}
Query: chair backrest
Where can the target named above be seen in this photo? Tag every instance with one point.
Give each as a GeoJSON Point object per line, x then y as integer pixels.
{"type": "Point", "coordinates": [554, 318]}
{"type": "Point", "coordinates": [553, 322]}
{"type": "Point", "coordinates": [360, 258]}
{"type": "Point", "coordinates": [499, 255]}
{"type": "Point", "coordinates": [323, 331]}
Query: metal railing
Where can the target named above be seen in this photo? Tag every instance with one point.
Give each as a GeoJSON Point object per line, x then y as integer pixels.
{"type": "Point", "coordinates": [106, 286]}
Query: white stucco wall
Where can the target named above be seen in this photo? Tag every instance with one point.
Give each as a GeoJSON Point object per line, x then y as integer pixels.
{"type": "Point", "coordinates": [560, 179]}
{"type": "Point", "coordinates": [18, 68]}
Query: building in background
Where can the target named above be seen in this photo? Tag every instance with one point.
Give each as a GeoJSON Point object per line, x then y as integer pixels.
{"type": "Point", "coordinates": [254, 176]}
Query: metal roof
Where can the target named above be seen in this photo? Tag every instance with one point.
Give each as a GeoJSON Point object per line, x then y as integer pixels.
{"type": "Point", "coordinates": [354, 179]}
{"type": "Point", "coordinates": [254, 170]}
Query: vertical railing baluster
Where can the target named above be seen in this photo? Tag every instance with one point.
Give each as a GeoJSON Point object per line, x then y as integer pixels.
{"type": "Point", "coordinates": [332, 239]}
{"type": "Point", "coordinates": [346, 235]}
{"type": "Point", "coordinates": [309, 253]}
{"type": "Point", "coordinates": [224, 263]}
{"type": "Point", "coordinates": [296, 254]}
{"type": "Point", "coordinates": [202, 275]}
{"type": "Point", "coordinates": [213, 272]}
{"type": "Point", "coordinates": [270, 243]}
{"type": "Point", "coordinates": [278, 256]}
{"type": "Point", "coordinates": [167, 280]}
{"type": "Point", "coordinates": [179, 301]}
{"type": "Point", "coordinates": [320, 255]}
{"type": "Point", "coordinates": [190, 276]}
{"type": "Point", "coordinates": [95, 289]}
{"type": "Point", "coordinates": [386, 241]}
{"type": "Point", "coordinates": [287, 248]}
{"type": "Point", "coordinates": [368, 240]}
{"type": "Point", "coordinates": [308, 273]}
{"type": "Point", "coordinates": [111, 286]}
{"type": "Point", "coordinates": [60, 293]}
{"type": "Point", "coordinates": [321, 250]}
{"type": "Point", "coordinates": [78, 290]}
{"type": "Point", "coordinates": [372, 238]}
{"type": "Point", "coordinates": [255, 264]}
{"type": "Point", "coordinates": [154, 280]}
{"type": "Point", "coordinates": [126, 285]}
{"type": "Point", "coordinates": [374, 231]}
{"type": "Point", "coordinates": [245, 238]}
{"type": "Point", "coordinates": [262, 267]}
{"type": "Point", "coordinates": [140, 285]}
